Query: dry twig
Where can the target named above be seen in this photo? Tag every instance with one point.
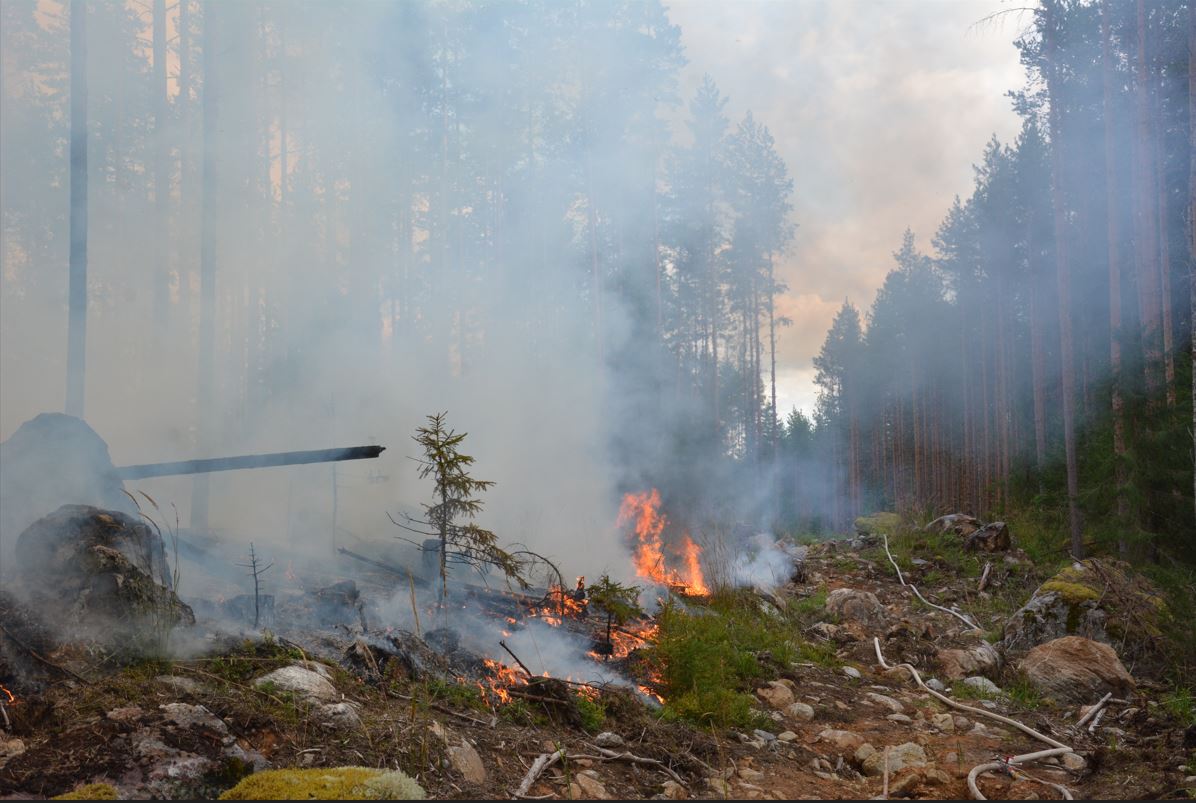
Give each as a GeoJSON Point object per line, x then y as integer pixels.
{"type": "Point", "coordinates": [542, 763]}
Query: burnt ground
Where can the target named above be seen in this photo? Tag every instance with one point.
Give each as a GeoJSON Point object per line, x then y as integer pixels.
{"type": "Point", "coordinates": [124, 727]}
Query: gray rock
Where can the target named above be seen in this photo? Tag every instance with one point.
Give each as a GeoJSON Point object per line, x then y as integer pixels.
{"type": "Point", "coordinates": [898, 718]}
{"type": "Point", "coordinates": [1073, 762]}
{"type": "Point", "coordinates": [851, 672]}
{"type": "Point", "coordinates": [960, 663]}
{"type": "Point", "coordinates": [299, 680]}
{"type": "Point", "coordinates": [764, 736]}
{"type": "Point", "coordinates": [343, 716]}
{"type": "Point", "coordinates": [884, 701]}
{"type": "Point", "coordinates": [787, 736]}
{"type": "Point", "coordinates": [840, 740]}
{"type": "Point", "coordinates": [861, 607]}
{"type": "Point", "coordinates": [187, 716]}
{"type": "Point", "coordinates": [982, 685]}
{"type": "Point", "coordinates": [944, 722]}
{"type": "Point", "coordinates": [800, 711]}
{"type": "Point", "coordinates": [905, 755]}
{"type": "Point", "coordinates": [465, 760]}
{"type": "Point", "coordinates": [608, 740]}
{"type": "Point", "coordinates": [936, 684]}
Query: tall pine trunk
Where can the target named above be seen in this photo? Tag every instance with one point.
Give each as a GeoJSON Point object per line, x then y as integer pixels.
{"type": "Point", "coordinates": [1192, 216]}
{"type": "Point", "coordinates": [161, 178]}
{"type": "Point", "coordinates": [76, 355]}
{"type": "Point", "coordinates": [1145, 225]}
{"type": "Point", "coordinates": [1066, 350]}
{"type": "Point", "coordinates": [1113, 230]}
{"type": "Point", "coordinates": [206, 370]}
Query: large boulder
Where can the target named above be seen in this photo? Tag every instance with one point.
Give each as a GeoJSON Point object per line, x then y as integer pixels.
{"type": "Point", "coordinates": [1077, 670]}
{"type": "Point", "coordinates": [1098, 599]}
{"type": "Point", "coordinates": [51, 460]}
{"type": "Point", "coordinates": [101, 576]}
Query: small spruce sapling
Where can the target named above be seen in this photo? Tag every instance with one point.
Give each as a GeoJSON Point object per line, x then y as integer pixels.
{"type": "Point", "coordinates": [456, 499]}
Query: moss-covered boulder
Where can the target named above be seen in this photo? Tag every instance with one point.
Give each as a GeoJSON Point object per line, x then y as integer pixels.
{"type": "Point", "coordinates": [99, 575]}
{"type": "Point", "coordinates": [337, 783]}
{"type": "Point", "coordinates": [882, 523]}
{"type": "Point", "coordinates": [1098, 599]}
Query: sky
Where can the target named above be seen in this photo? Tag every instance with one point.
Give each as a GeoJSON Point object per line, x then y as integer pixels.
{"type": "Point", "coordinates": [879, 108]}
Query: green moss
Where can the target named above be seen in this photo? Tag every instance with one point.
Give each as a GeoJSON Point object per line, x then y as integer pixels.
{"type": "Point", "coordinates": [338, 783]}
{"type": "Point", "coordinates": [91, 791]}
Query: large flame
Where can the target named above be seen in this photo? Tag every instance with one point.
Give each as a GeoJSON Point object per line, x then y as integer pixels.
{"type": "Point", "coordinates": [649, 553]}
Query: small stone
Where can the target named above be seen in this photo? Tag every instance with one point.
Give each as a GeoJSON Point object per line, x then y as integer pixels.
{"type": "Point", "coordinates": [909, 754]}
{"type": "Point", "coordinates": [608, 739]}
{"type": "Point", "coordinates": [800, 711]}
{"type": "Point", "coordinates": [674, 791]}
{"type": "Point", "coordinates": [437, 730]}
{"type": "Point", "coordinates": [936, 685]}
{"type": "Point", "coordinates": [10, 748]}
{"type": "Point", "coordinates": [982, 684]}
{"type": "Point", "coordinates": [884, 701]}
{"type": "Point", "coordinates": [339, 715]}
{"type": "Point", "coordinates": [748, 774]}
{"type": "Point", "coordinates": [776, 694]}
{"type": "Point", "coordinates": [787, 736]}
{"type": "Point", "coordinates": [719, 786]}
{"type": "Point", "coordinates": [591, 788]}
{"type": "Point", "coordinates": [933, 775]}
{"type": "Point", "coordinates": [862, 754]}
{"type": "Point", "coordinates": [961, 723]}
{"type": "Point", "coordinates": [126, 715]}
{"type": "Point", "coordinates": [843, 741]}
{"type": "Point", "coordinates": [764, 736]}
{"type": "Point", "coordinates": [944, 722]}
{"type": "Point", "coordinates": [466, 761]}
{"type": "Point", "coordinates": [1073, 762]}
{"type": "Point", "coordinates": [898, 718]}
{"type": "Point", "coordinates": [851, 672]}
{"type": "Point", "coordinates": [187, 716]}
{"type": "Point", "coordinates": [904, 782]}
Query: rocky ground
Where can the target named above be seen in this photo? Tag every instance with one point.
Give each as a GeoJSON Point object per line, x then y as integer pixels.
{"type": "Point", "coordinates": [194, 728]}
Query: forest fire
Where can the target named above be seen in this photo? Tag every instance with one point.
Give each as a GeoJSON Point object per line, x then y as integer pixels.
{"type": "Point", "coordinates": [649, 550]}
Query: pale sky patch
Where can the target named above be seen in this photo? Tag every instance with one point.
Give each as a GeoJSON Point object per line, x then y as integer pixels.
{"type": "Point", "coordinates": [879, 109]}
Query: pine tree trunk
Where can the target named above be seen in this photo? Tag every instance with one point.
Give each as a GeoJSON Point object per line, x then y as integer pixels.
{"type": "Point", "coordinates": [1067, 356]}
{"type": "Point", "coordinates": [205, 378]}
{"type": "Point", "coordinates": [1113, 230]}
{"type": "Point", "coordinates": [76, 357]}
{"type": "Point", "coordinates": [1192, 217]}
{"type": "Point", "coordinates": [1160, 180]}
{"type": "Point", "coordinates": [161, 176]}
{"type": "Point", "coordinates": [1038, 374]}
{"type": "Point", "coordinates": [1145, 225]}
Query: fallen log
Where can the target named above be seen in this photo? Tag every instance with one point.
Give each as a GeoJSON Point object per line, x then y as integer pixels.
{"type": "Point", "coordinates": [267, 460]}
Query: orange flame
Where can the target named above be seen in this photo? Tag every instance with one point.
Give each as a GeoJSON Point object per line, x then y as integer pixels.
{"type": "Point", "coordinates": [12, 698]}
{"type": "Point", "coordinates": [649, 550]}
